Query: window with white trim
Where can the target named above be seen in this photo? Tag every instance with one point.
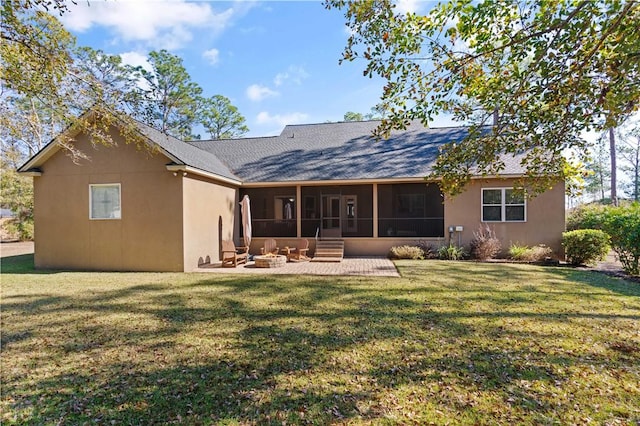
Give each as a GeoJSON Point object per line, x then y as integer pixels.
{"type": "Point", "coordinates": [503, 205]}
{"type": "Point", "coordinates": [104, 201]}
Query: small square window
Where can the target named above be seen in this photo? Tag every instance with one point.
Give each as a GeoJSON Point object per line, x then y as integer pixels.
{"type": "Point", "coordinates": [503, 205]}
{"type": "Point", "coordinates": [104, 201]}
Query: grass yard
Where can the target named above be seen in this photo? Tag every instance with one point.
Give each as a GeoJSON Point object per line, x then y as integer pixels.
{"type": "Point", "coordinates": [449, 343]}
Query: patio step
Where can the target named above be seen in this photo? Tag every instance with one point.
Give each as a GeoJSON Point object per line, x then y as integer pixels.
{"type": "Point", "coordinates": [329, 251]}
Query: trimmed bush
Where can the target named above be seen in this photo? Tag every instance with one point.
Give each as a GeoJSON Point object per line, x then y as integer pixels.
{"type": "Point", "coordinates": [623, 226]}
{"type": "Point", "coordinates": [485, 245]}
{"type": "Point", "coordinates": [588, 216]}
{"type": "Point", "coordinates": [406, 252]}
{"type": "Point", "coordinates": [451, 252]}
{"type": "Point", "coordinates": [585, 246]}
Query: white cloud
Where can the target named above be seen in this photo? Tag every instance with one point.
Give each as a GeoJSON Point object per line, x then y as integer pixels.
{"type": "Point", "coordinates": [406, 6]}
{"type": "Point", "coordinates": [136, 59]}
{"type": "Point", "coordinates": [167, 24]}
{"type": "Point", "coordinates": [256, 92]}
{"type": "Point", "coordinates": [282, 119]}
{"type": "Point", "coordinates": [212, 56]}
{"type": "Point", "coordinates": [294, 74]}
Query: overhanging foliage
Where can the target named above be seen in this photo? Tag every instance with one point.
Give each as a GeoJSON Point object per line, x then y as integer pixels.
{"type": "Point", "coordinates": [550, 69]}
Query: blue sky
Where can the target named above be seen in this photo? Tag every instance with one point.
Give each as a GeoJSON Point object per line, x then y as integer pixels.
{"type": "Point", "coordinates": [276, 61]}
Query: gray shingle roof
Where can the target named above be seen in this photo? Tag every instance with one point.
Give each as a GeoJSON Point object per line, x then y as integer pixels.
{"type": "Point", "coordinates": [336, 151]}
{"type": "Point", "coordinates": [187, 154]}
{"type": "Point", "coordinates": [311, 152]}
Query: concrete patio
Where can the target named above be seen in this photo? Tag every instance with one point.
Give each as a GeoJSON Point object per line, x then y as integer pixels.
{"type": "Point", "coordinates": [353, 266]}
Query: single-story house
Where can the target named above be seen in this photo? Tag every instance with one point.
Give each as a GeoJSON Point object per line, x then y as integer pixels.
{"type": "Point", "coordinates": [168, 209]}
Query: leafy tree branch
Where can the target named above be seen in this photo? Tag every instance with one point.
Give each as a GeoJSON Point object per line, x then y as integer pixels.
{"type": "Point", "coordinates": [550, 69]}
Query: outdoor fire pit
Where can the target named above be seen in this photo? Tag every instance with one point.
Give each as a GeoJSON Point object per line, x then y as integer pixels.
{"type": "Point", "coordinates": [270, 261]}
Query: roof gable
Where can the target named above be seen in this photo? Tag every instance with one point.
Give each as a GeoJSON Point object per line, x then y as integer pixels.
{"type": "Point", "coordinates": [177, 151]}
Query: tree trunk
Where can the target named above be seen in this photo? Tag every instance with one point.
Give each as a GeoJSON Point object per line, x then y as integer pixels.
{"type": "Point", "coordinates": [614, 183]}
{"type": "Point", "coordinates": [636, 174]}
{"type": "Point", "coordinates": [601, 174]}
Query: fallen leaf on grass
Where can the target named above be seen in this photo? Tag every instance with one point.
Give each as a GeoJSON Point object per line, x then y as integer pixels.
{"type": "Point", "coordinates": [625, 347]}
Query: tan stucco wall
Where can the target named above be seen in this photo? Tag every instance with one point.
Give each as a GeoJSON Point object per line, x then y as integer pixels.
{"type": "Point", "coordinates": [147, 237]}
{"type": "Point", "coordinates": [381, 246]}
{"type": "Point", "coordinates": [209, 210]}
{"type": "Point", "coordinates": [545, 216]}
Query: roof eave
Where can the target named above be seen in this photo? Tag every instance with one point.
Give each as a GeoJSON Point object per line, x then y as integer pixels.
{"type": "Point", "coordinates": [53, 146]}
{"type": "Point", "coordinates": [334, 182]}
{"type": "Point", "coordinates": [363, 181]}
{"type": "Point", "coordinates": [188, 169]}
{"type": "Point", "coordinates": [39, 158]}
{"type": "Point", "coordinates": [500, 176]}
{"type": "Point", "coordinates": [31, 172]}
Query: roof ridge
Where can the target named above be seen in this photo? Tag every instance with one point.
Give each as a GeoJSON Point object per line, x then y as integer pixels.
{"type": "Point", "coordinates": [331, 122]}
{"type": "Point", "coordinates": [231, 139]}
{"type": "Point", "coordinates": [461, 126]}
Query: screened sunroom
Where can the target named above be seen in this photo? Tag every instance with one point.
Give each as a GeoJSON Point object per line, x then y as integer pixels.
{"type": "Point", "coordinates": [343, 211]}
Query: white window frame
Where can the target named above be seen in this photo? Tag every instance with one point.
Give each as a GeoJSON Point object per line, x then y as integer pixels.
{"type": "Point", "coordinates": [94, 185]}
{"type": "Point", "coordinates": [503, 206]}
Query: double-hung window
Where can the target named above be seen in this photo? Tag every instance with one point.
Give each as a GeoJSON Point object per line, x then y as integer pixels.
{"type": "Point", "coordinates": [503, 205]}
{"type": "Point", "coordinates": [104, 201]}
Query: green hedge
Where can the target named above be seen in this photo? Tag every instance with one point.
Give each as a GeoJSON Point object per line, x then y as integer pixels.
{"type": "Point", "coordinates": [587, 216]}
{"type": "Point", "coordinates": [622, 224]}
{"type": "Point", "coordinates": [585, 246]}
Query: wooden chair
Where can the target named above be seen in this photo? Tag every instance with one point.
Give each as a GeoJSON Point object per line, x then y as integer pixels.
{"type": "Point", "coordinates": [270, 247]}
{"type": "Point", "coordinates": [232, 256]}
{"type": "Point", "coordinates": [300, 252]}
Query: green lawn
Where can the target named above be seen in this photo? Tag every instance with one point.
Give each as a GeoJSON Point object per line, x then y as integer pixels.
{"type": "Point", "coordinates": [459, 343]}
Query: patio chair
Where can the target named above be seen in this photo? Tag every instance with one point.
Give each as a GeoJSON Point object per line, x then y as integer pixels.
{"type": "Point", "coordinates": [232, 256]}
{"type": "Point", "coordinates": [300, 252]}
{"type": "Point", "coordinates": [270, 247]}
